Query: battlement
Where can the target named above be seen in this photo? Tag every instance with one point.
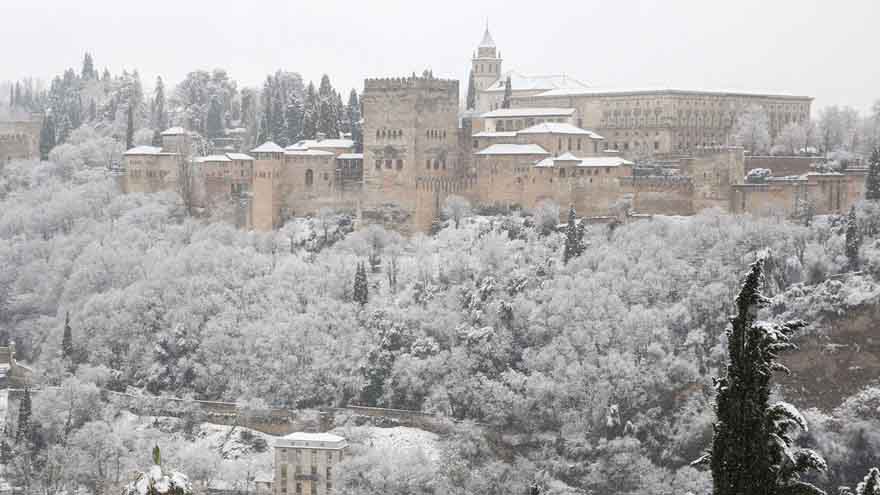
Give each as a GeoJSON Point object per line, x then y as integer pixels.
{"type": "Point", "coordinates": [413, 82]}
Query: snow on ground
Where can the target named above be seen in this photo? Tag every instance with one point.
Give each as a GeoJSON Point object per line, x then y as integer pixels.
{"type": "Point", "coordinates": [400, 438]}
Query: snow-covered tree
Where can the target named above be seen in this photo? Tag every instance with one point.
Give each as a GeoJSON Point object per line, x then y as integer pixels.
{"type": "Point", "coordinates": [456, 208]}
{"type": "Point", "coordinates": [159, 481]}
{"type": "Point", "coordinates": [574, 237]}
{"type": "Point", "coordinates": [23, 422]}
{"type": "Point", "coordinates": [471, 92]}
{"type": "Point", "coordinates": [853, 239]}
{"type": "Point", "coordinates": [67, 339]}
{"type": "Point", "coordinates": [752, 130]}
{"type": "Point", "coordinates": [871, 484]}
{"type": "Point", "coordinates": [791, 139]}
{"type": "Point", "coordinates": [753, 451]}
{"type": "Point", "coordinates": [872, 181]}
{"type": "Point", "coordinates": [508, 93]}
{"type": "Point", "coordinates": [360, 291]}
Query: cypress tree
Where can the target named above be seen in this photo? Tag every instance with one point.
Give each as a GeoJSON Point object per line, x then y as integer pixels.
{"type": "Point", "coordinates": [67, 339]}
{"type": "Point", "coordinates": [471, 92]}
{"type": "Point", "coordinates": [47, 137]}
{"type": "Point", "coordinates": [872, 182]}
{"type": "Point", "coordinates": [310, 113]}
{"type": "Point", "coordinates": [853, 239]}
{"type": "Point", "coordinates": [129, 127]}
{"type": "Point", "coordinates": [88, 67]}
{"type": "Point", "coordinates": [354, 121]}
{"type": "Point", "coordinates": [752, 451]}
{"type": "Point", "coordinates": [160, 118]}
{"type": "Point", "coordinates": [871, 484]}
{"type": "Point", "coordinates": [508, 93]}
{"type": "Point", "coordinates": [360, 295]}
{"type": "Point", "coordinates": [572, 243]}
{"type": "Point", "coordinates": [24, 417]}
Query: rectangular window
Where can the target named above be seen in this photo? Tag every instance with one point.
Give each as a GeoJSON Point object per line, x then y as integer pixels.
{"type": "Point", "coordinates": [284, 470]}
{"type": "Point", "coordinates": [378, 164]}
{"type": "Point", "coordinates": [388, 164]}
{"type": "Point", "coordinates": [299, 488]}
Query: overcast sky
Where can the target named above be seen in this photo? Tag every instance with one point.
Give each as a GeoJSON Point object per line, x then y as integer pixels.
{"type": "Point", "coordinates": [819, 48]}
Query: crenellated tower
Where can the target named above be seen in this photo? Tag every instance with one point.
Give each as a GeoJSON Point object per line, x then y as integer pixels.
{"type": "Point", "coordinates": [410, 135]}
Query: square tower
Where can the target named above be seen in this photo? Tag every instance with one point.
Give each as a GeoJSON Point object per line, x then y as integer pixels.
{"type": "Point", "coordinates": [410, 134]}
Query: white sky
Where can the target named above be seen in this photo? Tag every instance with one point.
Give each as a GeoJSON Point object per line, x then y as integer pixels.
{"type": "Point", "coordinates": [820, 48]}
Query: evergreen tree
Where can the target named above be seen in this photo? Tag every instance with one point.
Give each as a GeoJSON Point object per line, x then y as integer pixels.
{"type": "Point", "coordinates": [129, 128]}
{"type": "Point", "coordinates": [572, 243]}
{"type": "Point", "coordinates": [353, 110]}
{"type": "Point", "coordinates": [67, 339]}
{"type": "Point", "coordinates": [872, 182]}
{"type": "Point", "coordinates": [18, 95]}
{"type": "Point", "coordinates": [88, 67]}
{"type": "Point", "coordinates": [853, 239]}
{"type": "Point", "coordinates": [157, 138]}
{"type": "Point", "coordinates": [752, 451]}
{"type": "Point", "coordinates": [360, 292]}
{"type": "Point", "coordinates": [508, 93]}
{"type": "Point", "coordinates": [12, 95]}
{"type": "Point", "coordinates": [214, 121]}
{"type": "Point", "coordinates": [871, 484]}
{"type": "Point", "coordinates": [47, 137]}
{"type": "Point", "coordinates": [277, 124]}
{"type": "Point", "coordinates": [293, 118]}
{"type": "Point", "coordinates": [471, 93]}
{"type": "Point", "coordinates": [160, 118]}
{"type": "Point", "coordinates": [310, 113]}
{"type": "Point", "coordinates": [24, 417]}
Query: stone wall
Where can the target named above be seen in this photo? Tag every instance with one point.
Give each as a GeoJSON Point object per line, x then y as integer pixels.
{"type": "Point", "coordinates": [20, 139]}
{"type": "Point", "coordinates": [661, 195]}
{"type": "Point", "coordinates": [781, 166]}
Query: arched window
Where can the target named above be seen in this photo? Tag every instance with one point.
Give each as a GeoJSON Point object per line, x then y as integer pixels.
{"type": "Point", "coordinates": [310, 177]}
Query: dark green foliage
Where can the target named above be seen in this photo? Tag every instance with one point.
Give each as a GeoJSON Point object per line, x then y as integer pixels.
{"type": "Point", "coordinates": [157, 456]}
{"type": "Point", "coordinates": [574, 237]}
{"type": "Point", "coordinates": [853, 239]}
{"type": "Point", "coordinates": [508, 93]}
{"type": "Point", "coordinates": [88, 67]}
{"type": "Point", "coordinates": [752, 450]}
{"type": "Point", "coordinates": [23, 430]}
{"type": "Point", "coordinates": [871, 484]}
{"type": "Point", "coordinates": [471, 92]}
{"type": "Point", "coordinates": [214, 126]}
{"type": "Point", "coordinates": [360, 292]}
{"type": "Point", "coordinates": [129, 128]}
{"type": "Point", "coordinates": [67, 339]}
{"type": "Point", "coordinates": [160, 118]}
{"type": "Point", "coordinates": [872, 182]}
{"type": "Point", "coordinates": [353, 112]}
{"type": "Point", "coordinates": [47, 137]}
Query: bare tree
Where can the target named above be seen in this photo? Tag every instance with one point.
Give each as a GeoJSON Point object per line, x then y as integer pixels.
{"type": "Point", "coordinates": [455, 208]}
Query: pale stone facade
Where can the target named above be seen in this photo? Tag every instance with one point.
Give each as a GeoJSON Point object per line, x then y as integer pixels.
{"type": "Point", "coordinates": [561, 141]}
{"type": "Point", "coordinates": [20, 139]}
{"type": "Point", "coordinates": [305, 463]}
{"type": "Point", "coordinates": [638, 122]}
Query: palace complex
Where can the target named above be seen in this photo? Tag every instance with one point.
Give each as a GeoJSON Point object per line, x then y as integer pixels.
{"type": "Point", "coordinates": [662, 151]}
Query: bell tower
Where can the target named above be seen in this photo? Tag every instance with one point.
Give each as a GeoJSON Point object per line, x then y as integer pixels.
{"type": "Point", "coordinates": [486, 64]}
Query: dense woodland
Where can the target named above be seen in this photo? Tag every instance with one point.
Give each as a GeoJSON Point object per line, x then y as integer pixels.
{"type": "Point", "coordinates": [590, 374]}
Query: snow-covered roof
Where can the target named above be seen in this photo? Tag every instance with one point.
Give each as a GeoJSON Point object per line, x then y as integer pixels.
{"type": "Point", "coordinates": [489, 134]}
{"type": "Point", "coordinates": [323, 143]}
{"type": "Point", "coordinates": [350, 156]}
{"type": "Point", "coordinates": [559, 128]}
{"type": "Point", "coordinates": [513, 149]}
{"type": "Point", "coordinates": [312, 440]}
{"type": "Point", "coordinates": [590, 161]}
{"type": "Point", "coordinates": [239, 156]}
{"type": "Point", "coordinates": [268, 147]}
{"type": "Point", "coordinates": [144, 150]}
{"type": "Point", "coordinates": [213, 158]}
{"type": "Point", "coordinates": [290, 152]}
{"type": "Point", "coordinates": [174, 131]}
{"type": "Point", "coordinates": [487, 41]}
{"type": "Point", "coordinates": [528, 112]}
{"type": "Point", "coordinates": [522, 82]}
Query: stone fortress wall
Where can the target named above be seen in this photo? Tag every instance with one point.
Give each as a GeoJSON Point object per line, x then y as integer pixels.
{"type": "Point", "coordinates": [560, 141]}
{"type": "Point", "coordinates": [20, 139]}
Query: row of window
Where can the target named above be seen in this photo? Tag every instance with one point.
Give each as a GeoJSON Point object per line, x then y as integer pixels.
{"type": "Point", "coordinates": [389, 164]}
{"type": "Point", "coordinates": [484, 67]}
{"type": "Point", "coordinates": [147, 173]}
{"type": "Point", "coordinates": [226, 173]}
{"type": "Point", "coordinates": [389, 133]}
{"type": "Point", "coordinates": [435, 134]}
